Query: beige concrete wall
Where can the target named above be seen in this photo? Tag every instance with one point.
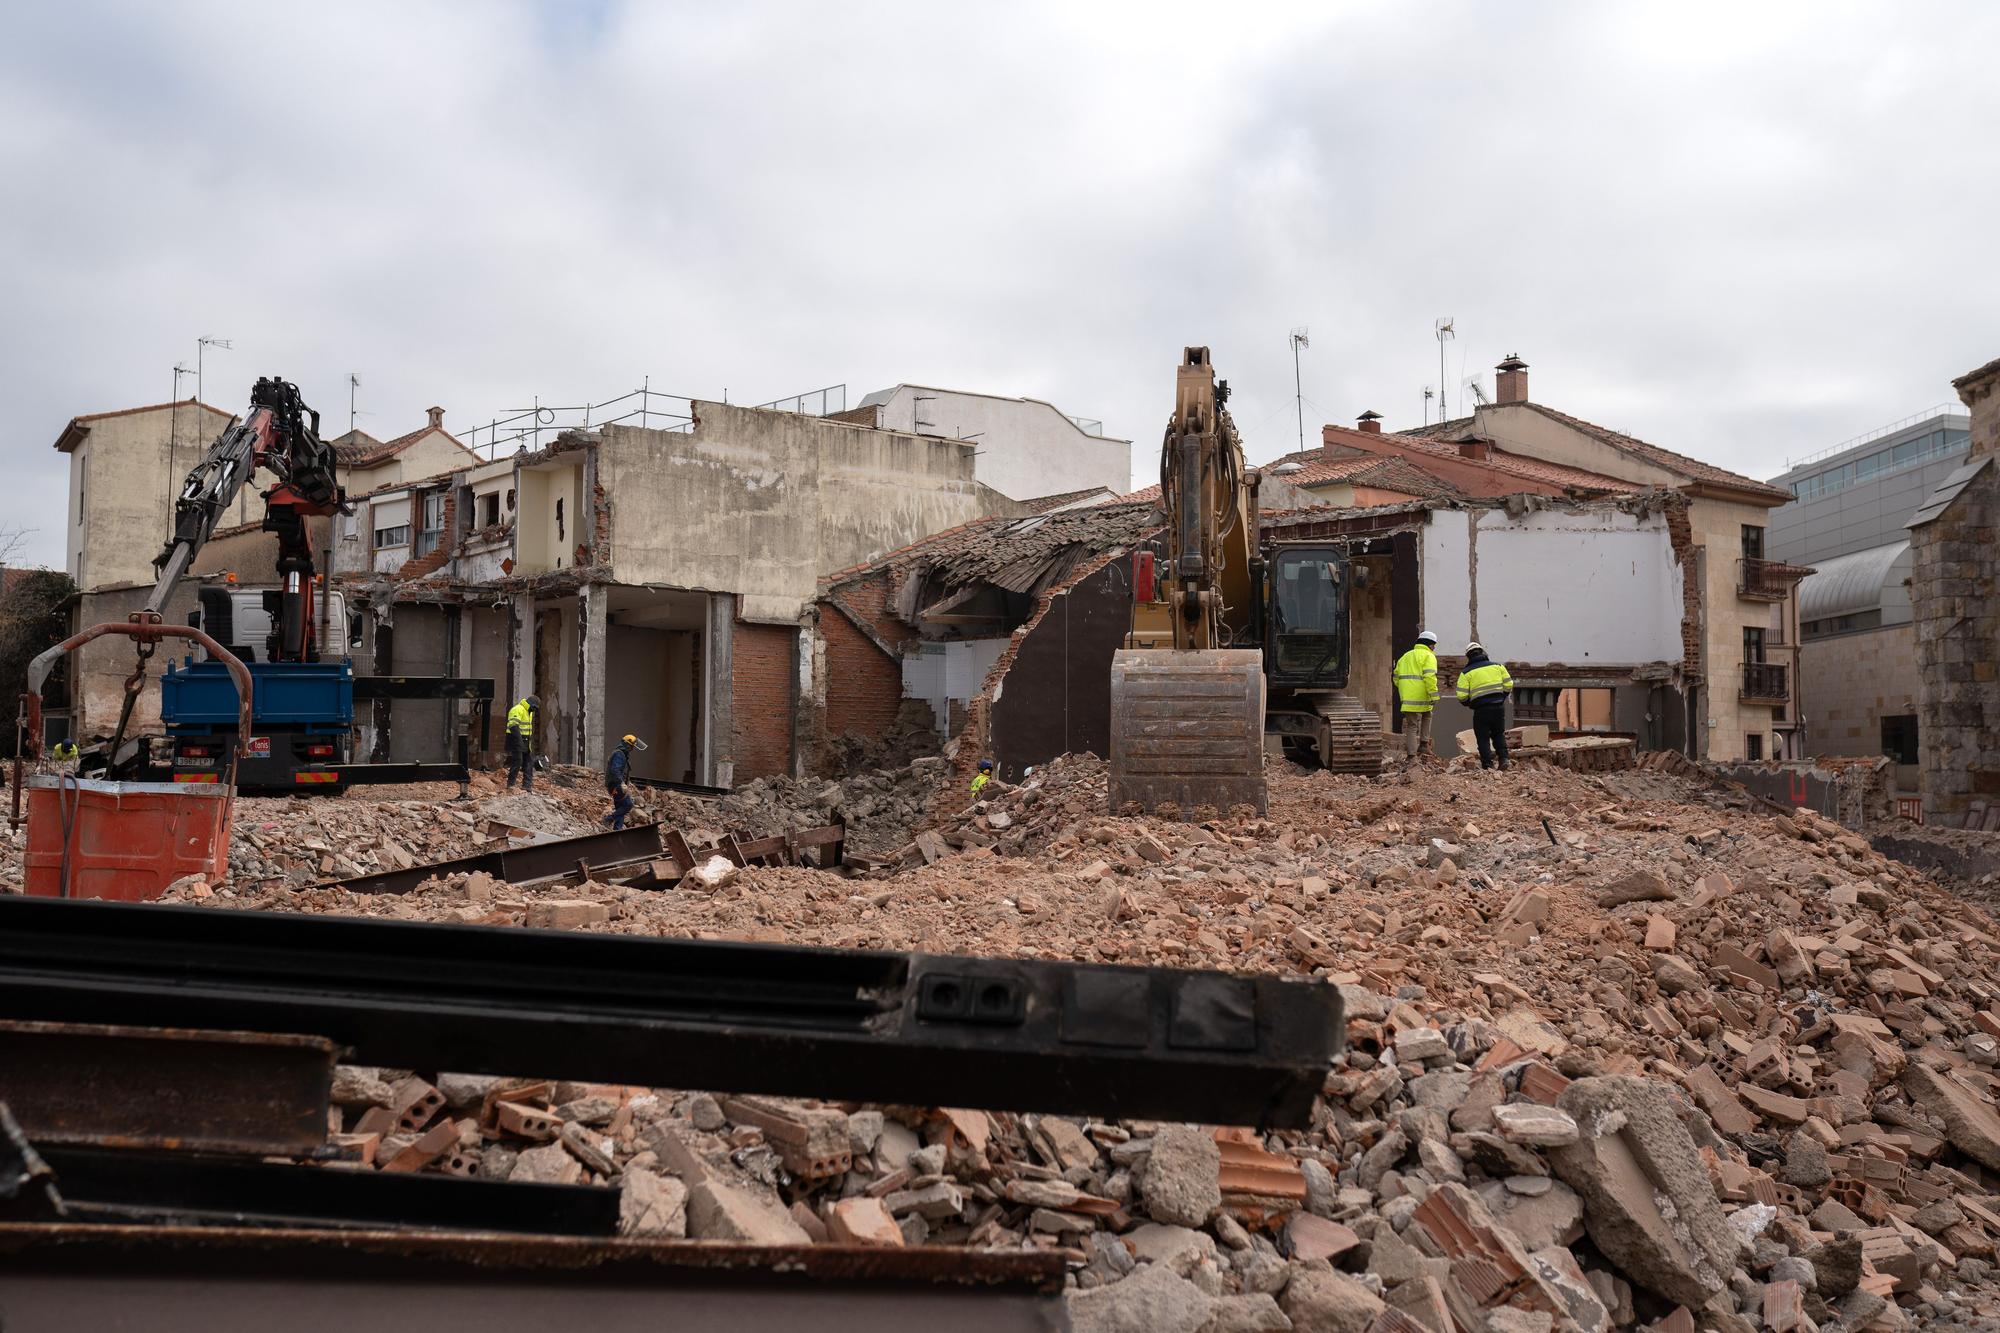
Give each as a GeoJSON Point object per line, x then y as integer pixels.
{"type": "Point", "coordinates": [550, 501]}
{"type": "Point", "coordinates": [1854, 681]}
{"type": "Point", "coordinates": [1524, 430]}
{"type": "Point", "coordinates": [1717, 525]}
{"type": "Point", "coordinates": [430, 454]}
{"type": "Point", "coordinates": [129, 469]}
{"type": "Point", "coordinates": [761, 503]}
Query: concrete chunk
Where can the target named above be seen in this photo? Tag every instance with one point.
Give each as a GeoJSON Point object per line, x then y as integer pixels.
{"type": "Point", "coordinates": [1648, 1203]}
{"type": "Point", "coordinates": [717, 1210]}
{"type": "Point", "coordinates": [1152, 1300]}
{"type": "Point", "coordinates": [1970, 1121]}
{"type": "Point", "coordinates": [1181, 1181]}
{"type": "Point", "coordinates": [650, 1204]}
{"type": "Point", "coordinates": [1319, 1300]}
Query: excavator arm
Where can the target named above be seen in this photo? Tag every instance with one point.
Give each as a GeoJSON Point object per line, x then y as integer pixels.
{"type": "Point", "coordinates": [1187, 690]}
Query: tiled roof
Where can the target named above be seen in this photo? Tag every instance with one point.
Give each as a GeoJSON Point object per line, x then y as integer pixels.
{"type": "Point", "coordinates": [1692, 468]}
{"type": "Point", "coordinates": [73, 432]}
{"type": "Point", "coordinates": [1383, 473]}
{"type": "Point", "coordinates": [1043, 504]}
{"type": "Point", "coordinates": [1022, 554]}
{"type": "Point", "coordinates": [1498, 460]}
{"type": "Point", "coordinates": [378, 452]}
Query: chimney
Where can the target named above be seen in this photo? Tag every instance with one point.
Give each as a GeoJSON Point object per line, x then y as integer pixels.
{"type": "Point", "coordinates": [1512, 381]}
{"type": "Point", "coordinates": [1371, 422]}
{"type": "Point", "coordinates": [1478, 450]}
{"type": "Point", "coordinates": [437, 417]}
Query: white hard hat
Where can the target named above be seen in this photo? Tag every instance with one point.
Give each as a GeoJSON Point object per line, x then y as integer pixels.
{"type": "Point", "coordinates": [1427, 637]}
{"type": "Point", "coordinates": [1475, 647]}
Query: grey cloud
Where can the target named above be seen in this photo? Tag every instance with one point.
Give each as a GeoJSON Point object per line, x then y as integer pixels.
{"type": "Point", "coordinates": [1742, 231]}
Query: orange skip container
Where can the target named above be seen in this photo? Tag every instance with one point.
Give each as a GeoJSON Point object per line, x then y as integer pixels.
{"type": "Point", "coordinates": [126, 840]}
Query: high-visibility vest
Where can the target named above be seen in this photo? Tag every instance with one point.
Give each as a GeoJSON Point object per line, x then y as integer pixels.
{"type": "Point", "coordinates": [979, 782]}
{"type": "Point", "coordinates": [1417, 679]}
{"type": "Point", "coordinates": [1484, 684]}
{"type": "Point", "coordinates": [521, 719]}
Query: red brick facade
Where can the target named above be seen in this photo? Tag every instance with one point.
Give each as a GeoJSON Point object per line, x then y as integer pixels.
{"type": "Point", "coordinates": [763, 665]}
{"type": "Point", "coordinates": [864, 685]}
{"type": "Point", "coordinates": [433, 560]}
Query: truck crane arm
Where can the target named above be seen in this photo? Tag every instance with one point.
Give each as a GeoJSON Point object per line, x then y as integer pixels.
{"type": "Point", "coordinates": [281, 435]}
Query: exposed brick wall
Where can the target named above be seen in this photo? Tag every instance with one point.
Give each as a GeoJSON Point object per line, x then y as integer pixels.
{"type": "Point", "coordinates": [762, 663]}
{"type": "Point", "coordinates": [1681, 534]}
{"type": "Point", "coordinates": [447, 539]}
{"type": "Point", "coordinates": [864, 685]}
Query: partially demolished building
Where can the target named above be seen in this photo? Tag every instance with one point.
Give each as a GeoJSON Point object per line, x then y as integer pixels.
{"type": "Point", "coordinates": [1004, 628]}
{"type": "Point", "coordinates": [658, 582]}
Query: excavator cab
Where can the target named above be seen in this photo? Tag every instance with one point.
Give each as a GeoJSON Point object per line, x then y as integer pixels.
{"type": "Point", "coordinates": [1305, 640]}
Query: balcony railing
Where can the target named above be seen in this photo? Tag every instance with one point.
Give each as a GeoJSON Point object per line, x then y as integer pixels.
{"type": "Point", "coordinates": [1768, 580]}
{"type": "Point", "coordinates": [1764, 682]}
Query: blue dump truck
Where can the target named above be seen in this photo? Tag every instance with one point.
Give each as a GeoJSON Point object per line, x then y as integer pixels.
{"type": "Point", "coordinates": [302, 713]}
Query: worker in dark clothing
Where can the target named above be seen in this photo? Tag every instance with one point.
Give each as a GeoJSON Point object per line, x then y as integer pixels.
{"type": "Point", "coordinates": [1483, 686]}
{"type": "Point", "coordinates": [617, 770]}
{"type": "Point", "coordinates": [521, 741]}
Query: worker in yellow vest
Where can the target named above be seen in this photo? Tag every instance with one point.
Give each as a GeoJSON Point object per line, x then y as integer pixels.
{"type": "Point", "coordinates": [1417, 693]}
{"type": "Point", "coordinates": [521, 741]}
{"type": "Point", "coordinates": [1483, 686]}
{"type": "Point", "coordinates": [985, 776]}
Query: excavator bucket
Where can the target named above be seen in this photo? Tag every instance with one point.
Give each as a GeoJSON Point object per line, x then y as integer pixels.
{"type": "Point", "coordinates": [1187, 730]}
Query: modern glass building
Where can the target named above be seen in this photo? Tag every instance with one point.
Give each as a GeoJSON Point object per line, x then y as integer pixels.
{"type": "Point", "coordinates": [1858, 657]}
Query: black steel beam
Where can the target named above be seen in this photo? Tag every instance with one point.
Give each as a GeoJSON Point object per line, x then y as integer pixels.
{"type": "Point", "coordinates": [932, 1030]}
{"type": "Point", "coordinates": [180, 1189]}
{"type": "Point", "coordinates": [261, 1094]}
{"type": "Point", "coordinates": [421, 687]}
{"type": "Point", "coordinates": [353, 775]}
{"type": "Point", "coordinates": [685, 788]}
{"type": "Point", "coordinates": [535, 860]}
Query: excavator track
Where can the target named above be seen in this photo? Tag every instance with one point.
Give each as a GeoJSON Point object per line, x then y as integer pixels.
{"type": "Point", "coordinates": [1187, 730]}
{"type": "Point", "coordinates": [1353, 736]}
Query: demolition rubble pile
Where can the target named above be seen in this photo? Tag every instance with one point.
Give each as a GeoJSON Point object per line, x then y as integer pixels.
{"type": "Point", "coordinates": [880, 806]}
{"type": "Point", "coordinates": [1625, 1049]}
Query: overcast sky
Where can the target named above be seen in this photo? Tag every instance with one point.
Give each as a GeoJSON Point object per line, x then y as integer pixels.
{"type": "Point", "coordinates": [1745, 232]}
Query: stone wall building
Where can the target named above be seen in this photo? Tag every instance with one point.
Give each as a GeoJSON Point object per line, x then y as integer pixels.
{"type": "Point", "coordinates": [1954, 578]}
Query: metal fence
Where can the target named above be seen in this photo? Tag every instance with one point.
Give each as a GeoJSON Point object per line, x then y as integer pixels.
{"type": "Point", "coordinates": [531, 427]}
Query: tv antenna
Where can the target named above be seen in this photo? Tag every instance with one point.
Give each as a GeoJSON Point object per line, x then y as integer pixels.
{"type": "Point", "coordinates": [1429, 393]}
{"type": "Point", "coordinates": [1299, 339]}
{"type": "Point", "coordinates": [1478, 391]}
{"type": "Point", "coordinates": [353, 383]}
{"type": "Point", "coordinates": [201, 346]}
{"type": "Point", "coordinates": [1445, 333]}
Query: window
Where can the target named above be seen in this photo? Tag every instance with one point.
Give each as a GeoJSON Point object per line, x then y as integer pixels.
{"type": "Point", "coordinates": [489, 510]}
{"type": "Point", "coordinates": [1899, 737]}
{"type": "Point", "coordinates": [1753, 644]}
{"type": "Point", "coordinates": [399, 536]}
{"type": "Point", "coordinates": [1753, 746]}
{"type": "Point", "coordinates": [1535, 705]}
{"type": "Point", "coordinates": [1753, 542]}
{"type": "Point", "coordinates": [82, 480]}
{"type": "Point", "coordinates": [432, 530]}
{"type": "Point", "coordinates": [350, 527]}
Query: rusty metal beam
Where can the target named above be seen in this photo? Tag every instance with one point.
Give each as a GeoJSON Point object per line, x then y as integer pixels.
{"type": "Point", "coordinates": [137, 1087]}
{"type": "Point", "coordinates": [224, 1279]}
{"type": "Point", "coordinates": [535, 860]}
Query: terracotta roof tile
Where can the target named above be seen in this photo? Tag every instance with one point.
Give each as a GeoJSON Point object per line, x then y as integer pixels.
{"type": "Point", "coordinates": [1692, 468]}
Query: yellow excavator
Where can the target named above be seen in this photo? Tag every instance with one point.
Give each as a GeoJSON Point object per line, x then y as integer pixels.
{"type": "Point", "coordinates": [1232, 638]}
